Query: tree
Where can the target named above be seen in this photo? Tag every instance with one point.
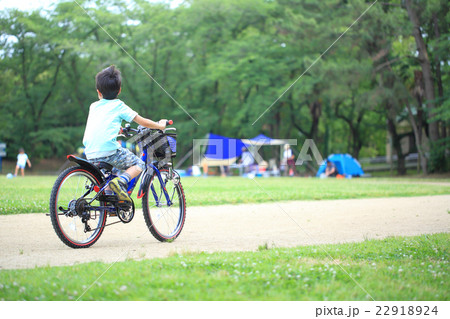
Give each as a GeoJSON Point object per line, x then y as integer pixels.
{"type": "Point", "coordinates": [437, 151]}
{"type": "Point", "coordinates": [36, 60]}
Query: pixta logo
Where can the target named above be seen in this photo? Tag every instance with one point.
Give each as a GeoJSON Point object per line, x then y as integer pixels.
{"type": "Point", "coordinates": [226, 150]}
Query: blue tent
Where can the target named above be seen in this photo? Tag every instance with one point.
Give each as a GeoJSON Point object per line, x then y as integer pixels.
{"type": "Point", "coordinates": [223, 151]}
{"type": "Point", "coordinates": [223, 148]}
{"type": "Point", "coordinates": [262, 139]}
{"type": "Point", "coordinates": [345, 164]}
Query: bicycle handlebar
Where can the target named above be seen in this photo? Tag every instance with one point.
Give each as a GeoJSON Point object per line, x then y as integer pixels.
{"type": "Point", "coordinates": [127, 129]}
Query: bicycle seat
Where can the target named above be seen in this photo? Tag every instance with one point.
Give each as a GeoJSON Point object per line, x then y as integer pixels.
{"type": "Point", "coordinates": [104, 165]}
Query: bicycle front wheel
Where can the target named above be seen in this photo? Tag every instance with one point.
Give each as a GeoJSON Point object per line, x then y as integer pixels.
{"type": "Point", "coordinates": [164, 222]}
{"type": "Point", "coordinates": [75, 224]}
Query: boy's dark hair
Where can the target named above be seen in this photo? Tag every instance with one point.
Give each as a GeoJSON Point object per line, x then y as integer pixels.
{"type": "Point", "coordinates": [108, 82]}
{"type": "Point", "coordinates": [21, 150]}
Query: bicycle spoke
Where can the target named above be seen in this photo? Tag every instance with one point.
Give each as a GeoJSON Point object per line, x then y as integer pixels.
{"type": "Point", "coordinates": [167, 223]}
{"type": "Point", "coordinates": [75, 186]}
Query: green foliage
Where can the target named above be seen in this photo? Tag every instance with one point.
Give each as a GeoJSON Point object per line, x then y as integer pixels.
{"type": "Point", "coordinates": [58, 141]}
{"type": "Point", "coordinates": [223, 62]}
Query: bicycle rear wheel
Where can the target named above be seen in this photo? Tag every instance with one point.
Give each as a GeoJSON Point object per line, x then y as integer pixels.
{"type": "Point", "coordinates": [75, 225]}
{"type": "Point", "coordinates": [164, 222]}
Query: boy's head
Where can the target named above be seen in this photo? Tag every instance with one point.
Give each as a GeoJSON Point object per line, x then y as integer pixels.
{"type": "Point", "coordinates": [21, 150]}
{"type": "Point", "coordinates": [108, 82]}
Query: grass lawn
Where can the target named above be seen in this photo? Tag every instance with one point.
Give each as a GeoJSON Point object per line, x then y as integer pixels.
{"type": "Point", "coordinates": [31, 194]}
{"type": "Point", "coordinates": [396, 268]}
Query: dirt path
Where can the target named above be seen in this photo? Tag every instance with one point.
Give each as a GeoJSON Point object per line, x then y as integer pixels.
{"type": "Point", "coordinates": [29, 240]}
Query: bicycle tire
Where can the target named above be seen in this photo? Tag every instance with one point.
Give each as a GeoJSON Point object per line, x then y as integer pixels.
{"type": "Point", "coordinates": [55, 214]}
{"type": "Point", "coordinates": [152, 222]}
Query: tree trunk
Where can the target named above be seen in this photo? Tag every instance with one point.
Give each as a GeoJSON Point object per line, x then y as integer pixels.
{"type": "Point", "coordinates": [418, 138]}
{"type": "Point", "coordinates": [437, 63]}
{"type": "Point", "coordinates": [401, 169]}
{"type": "Point", "coordinates": [326, 136]}
{"type": "Point", "coordinates": [355, 140]}
{"type": "Point", "coordinates": [315, 110]}
{"type": "Point", "coordinates": [437, 60]}
{"type": "Point", "coordinates": [416, 122]}
{"type": "Point", "coordinates": [356, 148]}
{"type": "Point", "coordinates": [426, 70]}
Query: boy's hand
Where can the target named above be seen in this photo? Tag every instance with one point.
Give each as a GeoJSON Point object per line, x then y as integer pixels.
{"type": "Point", "coordinates": [162, 123]}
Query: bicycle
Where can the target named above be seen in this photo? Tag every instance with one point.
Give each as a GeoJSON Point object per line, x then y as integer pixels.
{"type": "Point", "coordinates": [79, 206]}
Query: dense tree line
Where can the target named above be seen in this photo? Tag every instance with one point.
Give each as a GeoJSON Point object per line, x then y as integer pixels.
{"type": "Point", "coordinates": [219, 66]}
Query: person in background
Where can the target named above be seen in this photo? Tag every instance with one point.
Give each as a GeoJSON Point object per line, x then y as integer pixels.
{"type": "Point", "coordinates": [246, 160]}
{"type": "Point", "coordinates": [205, 169]}
{"type": "Point", "coordinates": [22, 161]}
{"type": "Point", "coordinates": [331, 170]}
{"type": "Point", "coordinates": [288, 161]}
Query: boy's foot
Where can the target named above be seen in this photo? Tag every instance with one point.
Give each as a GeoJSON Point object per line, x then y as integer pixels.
{"type": "Point", "coordinates": [120, 188]}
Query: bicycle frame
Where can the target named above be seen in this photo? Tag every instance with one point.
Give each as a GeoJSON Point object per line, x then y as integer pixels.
{"type": "Point", "coordinates": [75, 211]}
{"type": "Point", "coordinates": [132, 184]}
{"type": "Point", "coordinates": [152, 168]}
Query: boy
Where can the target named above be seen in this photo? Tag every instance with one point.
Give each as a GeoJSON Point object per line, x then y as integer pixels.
{"type": "Point", "coordinates": [103, 125]}
{"type": "Point", "coordinates": [22, 161]}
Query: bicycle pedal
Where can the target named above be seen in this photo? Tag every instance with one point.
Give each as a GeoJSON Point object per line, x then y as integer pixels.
{"type": "Point", "coordinates": [107, 198]}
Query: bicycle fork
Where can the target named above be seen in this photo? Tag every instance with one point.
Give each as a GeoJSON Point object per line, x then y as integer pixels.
{"type": "Point", "coordinates": [163, 185]}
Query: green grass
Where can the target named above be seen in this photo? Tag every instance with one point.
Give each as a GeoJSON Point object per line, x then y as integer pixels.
{"type": "Point", "coordinates": [400, 268]}
{"type": "Point", "coordinates": [31, 194]}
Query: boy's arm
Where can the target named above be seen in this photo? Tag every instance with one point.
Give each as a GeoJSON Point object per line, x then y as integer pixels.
{"type": "Point", "coordinates": [161, 125]}
{"type": "Point", "coordinates": [29, 163]}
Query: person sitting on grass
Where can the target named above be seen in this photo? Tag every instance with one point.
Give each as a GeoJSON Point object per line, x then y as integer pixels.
{"type": "Point", "coordinates": [331, 170]}
{"type": "Point", "coordinates": [22, 161]}
{"type": "Point", "coordinates": [103, 126]}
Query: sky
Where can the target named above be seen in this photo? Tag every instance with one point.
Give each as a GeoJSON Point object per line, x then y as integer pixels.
{"type": "Point", "coordinates": [26, 4]}
{"type": "Point", "coordinates": [47, 4]}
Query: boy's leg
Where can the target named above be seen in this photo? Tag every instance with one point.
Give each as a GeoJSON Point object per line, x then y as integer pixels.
{"type": "Point", "coordinates": [132, 165]}
{"type": "Point", "coordinates": [17, 169]}
{"type": "Point", "coordinates": [120, 184]}
{"type": "Point", "coordinates": [133, 171]}
{"type": "Point", "coordinates": [23, 172]}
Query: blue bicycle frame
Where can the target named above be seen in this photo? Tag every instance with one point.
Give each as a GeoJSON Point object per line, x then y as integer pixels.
{"type": "Point", "coordinates": [152, 168]}
{"type": "Point", "coordinates": [132, 184]}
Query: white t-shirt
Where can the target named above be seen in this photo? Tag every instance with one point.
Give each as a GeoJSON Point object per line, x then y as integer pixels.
{"type": "Point", "coordinates": [22, 159]}
{"type": "Point", "coordinates": [287, 154]}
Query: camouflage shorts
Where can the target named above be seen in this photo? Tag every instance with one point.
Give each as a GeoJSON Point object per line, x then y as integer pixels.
{"type": "Point", "coordinates": [121, 160]}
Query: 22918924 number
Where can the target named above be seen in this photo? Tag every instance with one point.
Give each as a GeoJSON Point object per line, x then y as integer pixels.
{"type": "Point", "coordinates": [406, 310]}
